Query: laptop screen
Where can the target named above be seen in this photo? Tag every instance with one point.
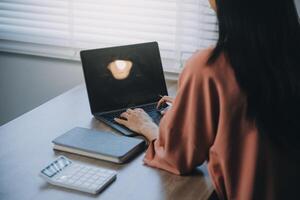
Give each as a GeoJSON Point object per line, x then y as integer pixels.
{"type": "Point", "coordinates": [122, 77]}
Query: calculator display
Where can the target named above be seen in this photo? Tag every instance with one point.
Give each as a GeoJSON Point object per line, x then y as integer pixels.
{"type": "Point", "coordinates": [56, 167]}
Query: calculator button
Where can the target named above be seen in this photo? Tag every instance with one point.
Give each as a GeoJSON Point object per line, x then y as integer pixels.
{"type": "Point", "coordinates": [60, 181]}
{"type": "Point", "coordinates": [84, 169]}
{"type": "Point", "coordinates": [105, 176]}
{"type": "Point", "coordinates": [76, 167]}
{"type": "Point", "coordinates": [94, 177]}
{"type": "Point", "coordinates": [101, 170]}
{"type": "Point", "coordinates": [87, 175]}
{"type": "Point", "coordinates": [85, 184]}
{"type": "Point", "coordinates": [64, 177]}
{"type": "Point", "coordinates": [73, 184]}
{"type": "Point", "coordinates": [100, 181]}
{"type": "Point", "coordinates": [76, 176]}
{"type": "Point", "coordinates": [72, 169]}
{"type": "Point", "coordinates": [69, 181]}
{"type": "Point", "coordinates": [97, 175]}
{"type": "Point", "coordinates": [80, 173]}
{"type": "Point", "coordinates": [94, 187]}
{"type": "Point", "coordinates": [67, 174]}
{"type": "Point", "coordinates": [100, 178]}
{"type": "Point", "coordinates": [93, 170]}
{"type": "Point", "coordinates": [89, 182]}
{"type": "Point", "coordinates": [71, 172]}
{"type": "Point", "coordinates": [77, 183]}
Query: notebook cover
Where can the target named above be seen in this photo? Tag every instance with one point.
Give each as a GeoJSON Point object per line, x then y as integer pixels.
{"type": "Point", "coordinates": [98, 142]}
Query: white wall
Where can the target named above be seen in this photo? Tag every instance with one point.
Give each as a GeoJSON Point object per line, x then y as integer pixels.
{"type": "Point", "coordinates": [28, 81]}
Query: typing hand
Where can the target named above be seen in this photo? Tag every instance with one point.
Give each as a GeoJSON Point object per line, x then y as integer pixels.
{"type": "Point", "coordinates": [164, 100]}
{"type": "Point", "coordinates": [140, 122]}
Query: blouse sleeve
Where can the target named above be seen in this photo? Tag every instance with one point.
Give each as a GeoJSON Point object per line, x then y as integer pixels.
{"type": "Point", "coordinates": [188, 129]}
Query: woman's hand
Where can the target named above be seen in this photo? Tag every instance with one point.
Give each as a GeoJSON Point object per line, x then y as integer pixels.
{"type": "Point", "coordinates": [163, 100]}
{"type": "Point", "coordinates": [140, 122]}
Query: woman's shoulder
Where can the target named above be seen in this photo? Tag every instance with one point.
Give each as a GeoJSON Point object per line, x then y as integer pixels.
{"type": "Point", "coordinates": [200, 56]}
{"type": "Point", "coordinates": [198, 64]}
{"type": "Point", "coordinates": [220, 72]}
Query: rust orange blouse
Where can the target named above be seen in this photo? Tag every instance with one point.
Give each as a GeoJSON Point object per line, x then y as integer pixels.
{"type": "Point", "coordinates": [207, 122]}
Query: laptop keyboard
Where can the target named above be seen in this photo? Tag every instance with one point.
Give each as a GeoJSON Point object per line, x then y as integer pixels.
{"type": "Point", "coordinates": [150, 109]}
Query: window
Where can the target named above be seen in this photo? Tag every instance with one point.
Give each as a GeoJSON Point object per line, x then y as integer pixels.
{"type": "Point", "coordinates": [61, 28]}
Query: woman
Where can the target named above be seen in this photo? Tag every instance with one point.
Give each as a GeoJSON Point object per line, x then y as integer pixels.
{"type": "Point", "coordinates": [237, 106]}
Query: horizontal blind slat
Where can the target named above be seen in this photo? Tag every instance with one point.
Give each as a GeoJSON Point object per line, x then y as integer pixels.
{"type": "Point", "coordinates": [33, 16]}
{"type": "Point", "coordinates": [45, 3]}
{"type": "Point", "coordinates": [32, 23]}
{"type": "Point", "coordinates": [34, 31]}
{"type": "Point", "coordinates": [59, 42]}
{"type": "Point", "coordinates": [180, 27]}
{"type": "Point", "coordinates": [34, 8]}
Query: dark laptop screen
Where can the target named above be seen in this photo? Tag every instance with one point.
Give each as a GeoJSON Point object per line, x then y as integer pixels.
{"type": "Point", "coordinates": [121, 77]}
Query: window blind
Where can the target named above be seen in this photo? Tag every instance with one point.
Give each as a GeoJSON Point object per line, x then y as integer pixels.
{"type": "Point", "coordinates": [61, 28]}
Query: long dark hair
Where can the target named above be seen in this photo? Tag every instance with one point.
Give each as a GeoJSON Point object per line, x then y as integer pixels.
{"type": "Point", "coordinates": [261, 39]}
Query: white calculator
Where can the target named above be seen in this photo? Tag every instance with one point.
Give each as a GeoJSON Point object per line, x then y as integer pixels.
{"type": "Point", "coordinates": [64, 172]}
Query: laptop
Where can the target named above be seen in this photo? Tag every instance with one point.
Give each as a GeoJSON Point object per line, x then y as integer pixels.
{"type": "Point", "coordinates": [118, 78]}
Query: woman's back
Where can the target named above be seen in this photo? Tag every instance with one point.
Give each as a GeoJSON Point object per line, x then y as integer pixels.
{"type": "Point", "coordinates": [261, 41]}
{"type": "Point", "coordinates": [243, 164]}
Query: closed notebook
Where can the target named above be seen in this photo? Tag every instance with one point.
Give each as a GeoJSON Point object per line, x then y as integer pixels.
{"type": "Point", "coordinates": [99, 144]}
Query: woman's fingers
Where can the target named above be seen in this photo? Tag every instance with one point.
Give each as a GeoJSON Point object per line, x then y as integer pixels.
{"type": "Point", "coordinates": [163, 100]}
{"type": "Point", "coordinates": [169, 99]}
{"type": "Point", "coordinates": [139, 110]}
{"type": "Point", "coordinates": [135, 119]}
{"type": "Point", "coordinates": [124, 115]}
{"type": "Point", "coordinates": [121, 121]}
{"type": "Point", "coordinates": [129, 110]}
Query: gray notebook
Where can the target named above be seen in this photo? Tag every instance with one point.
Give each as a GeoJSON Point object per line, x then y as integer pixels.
{"type": "Point", "coordinates": [99, 144]}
